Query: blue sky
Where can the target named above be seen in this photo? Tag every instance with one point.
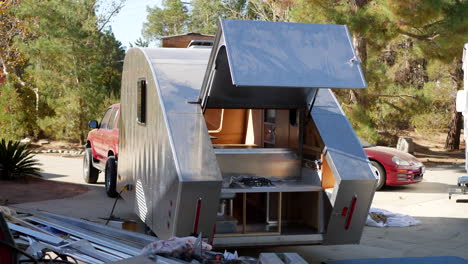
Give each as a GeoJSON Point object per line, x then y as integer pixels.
{"type": "Point", "coordinates": [128, 23]}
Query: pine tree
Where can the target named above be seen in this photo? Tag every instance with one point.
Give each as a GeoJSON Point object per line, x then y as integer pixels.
{"type": "Point", "coordinates": [431, 31]}
{"type": "Point", "coordinates": [74, 65]}
{"type": "Point", "coordinates": [171, 19]}
{"type": "Point", "coordinates": [17, 98]}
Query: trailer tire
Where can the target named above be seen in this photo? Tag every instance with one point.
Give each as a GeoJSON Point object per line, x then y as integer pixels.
{"type": "Point", "coordinates": [111, 177]}
{"type": "Point", "coordinates": [380, 173]}
{"type": "Point", "coordinates": [90, 174]}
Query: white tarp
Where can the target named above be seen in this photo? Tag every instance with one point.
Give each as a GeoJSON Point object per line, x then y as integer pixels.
{"type": "Point", "coordinates": [383, 218]}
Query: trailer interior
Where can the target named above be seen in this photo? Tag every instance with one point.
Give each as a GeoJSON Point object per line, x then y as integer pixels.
{"type": "Point", "coordinates": [273, 153]}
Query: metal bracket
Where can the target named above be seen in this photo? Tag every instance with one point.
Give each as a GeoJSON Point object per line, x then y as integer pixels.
{"type": "Point", "coordinates": [194, 101]}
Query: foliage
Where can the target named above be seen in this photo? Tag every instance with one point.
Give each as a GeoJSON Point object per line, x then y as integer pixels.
{"type": "Point", "coordinates": [140, 43]}
{"type": "Point", "coordinates": [16, 161]}
{"type": "Point", "coordinates": [437, 26]}
{"type": "Point", "coordinates": [74, 65]}
{"type": "Point", "coordinates": [11, 113]}
{"type": "Point", "coordinates": [200, 16]}
{"type": "Point", "coordinates": [408, 50]}
{"type": "Point", "coordinates": [17, 98]}
{"type": "Point", "coordinates": [172, 19]}
{"type": "Point", "coordinates": [61, 51]}
{"type": "Point", "coordinates": [11, 60]}
{"type": "Point", "coordinates": [206, 14]}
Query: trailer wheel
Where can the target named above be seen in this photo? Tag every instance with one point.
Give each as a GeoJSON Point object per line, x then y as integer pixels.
{"type": "Point", "coordinates": [380, 173]}
{"type": "Point", "coordinates": [90, 174]}
{"type": "Point", "coordinates": [111, 177]}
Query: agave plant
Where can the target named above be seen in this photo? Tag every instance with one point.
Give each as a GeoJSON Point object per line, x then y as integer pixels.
{"type": "Point", "coordinates": [16, 161]}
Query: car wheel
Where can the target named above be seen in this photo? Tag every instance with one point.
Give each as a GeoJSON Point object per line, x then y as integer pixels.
{"type": "Point", "coordinates": [111, 177]}
{"type": "Point", "coordinates": [380, 173]}
{"type": "Point", "coordinates": [90, 174]}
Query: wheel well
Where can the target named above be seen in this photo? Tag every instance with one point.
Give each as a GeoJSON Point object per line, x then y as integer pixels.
{"type": "Point", "coordinates": [381, 165]}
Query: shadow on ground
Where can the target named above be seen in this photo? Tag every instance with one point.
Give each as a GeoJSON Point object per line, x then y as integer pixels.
{"type": "Point", "coordinates": [46, 175]}
{"type": "Point", "coordinates": [422, 187]}
{"type": "Point", "coordinates": [37, 189]}
{"type": "Point", "coordinates": [442, 157]}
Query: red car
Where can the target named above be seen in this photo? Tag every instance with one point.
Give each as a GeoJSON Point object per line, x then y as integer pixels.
{"type": "Point", "coordinates": [393, 167]}
{"type": "Point", "coordinates": [102, 150]}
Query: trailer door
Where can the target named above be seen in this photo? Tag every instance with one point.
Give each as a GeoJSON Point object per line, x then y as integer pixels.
{"type": "Point", "coordinates": [277, 64]}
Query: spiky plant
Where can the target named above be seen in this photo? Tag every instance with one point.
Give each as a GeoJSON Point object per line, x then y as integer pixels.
{"type": "Point", "coordinates": [16, 161]}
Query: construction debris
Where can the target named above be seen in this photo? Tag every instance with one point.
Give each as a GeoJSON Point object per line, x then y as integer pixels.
{"type": "Point", "coordinates": [45, 237]}
{"type": "Point", "coordinates": [40, 237]}
{"type": "Point", "coordinates": [383, 218]}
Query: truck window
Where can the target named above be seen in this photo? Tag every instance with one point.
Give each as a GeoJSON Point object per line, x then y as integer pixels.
{"type": "Point", "coordinates": [105, 119]}
{"type": "Point", "coordinates": [118, 119]}
{"type": "Point", "coordinates": [141, 101]}
{"type": "Point", "coordinates": [112, 119]}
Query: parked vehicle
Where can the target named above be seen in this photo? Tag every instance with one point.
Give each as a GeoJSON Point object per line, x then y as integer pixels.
{"type": "Point", "coordinates": [393, 167]}
{"type": "Point", "coordinates": [102, 150]}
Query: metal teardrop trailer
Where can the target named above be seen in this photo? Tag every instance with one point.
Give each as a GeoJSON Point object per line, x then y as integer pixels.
{"type": "Point", "coordinates": [223, 142]}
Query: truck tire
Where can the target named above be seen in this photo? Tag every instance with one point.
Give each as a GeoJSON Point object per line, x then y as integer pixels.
{"type": "Point", "coordinates": [90, 174]}
{"type": "Point", "coordinates": [111, 177]}
{"type": "Point", "coordinates": [380, 173]}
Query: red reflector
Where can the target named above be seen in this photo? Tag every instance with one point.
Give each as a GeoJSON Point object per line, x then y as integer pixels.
{"type": "Point", "coordinates": [344, 212]}
{"type": "Point", "coordinates": [197, 217]}
{"type": "Point", "coordinates": [212, 236]}
{"type": "Point", "coordinates": [350, 216]}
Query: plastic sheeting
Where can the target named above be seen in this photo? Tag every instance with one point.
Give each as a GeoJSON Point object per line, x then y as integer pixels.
{"type": "Point", "coordinates": [383, 218]}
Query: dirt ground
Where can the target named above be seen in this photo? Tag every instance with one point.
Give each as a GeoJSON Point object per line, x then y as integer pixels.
{"type": "Point", "coordinates": [428, 148]}
{"type": "Point", "coordinates": [35, 189]}
{"type": "Point", "coordinates": [56, 145]}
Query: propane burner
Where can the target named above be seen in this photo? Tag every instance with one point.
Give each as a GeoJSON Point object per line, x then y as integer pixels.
{"type": "Point", "coordinates": [244, 182]}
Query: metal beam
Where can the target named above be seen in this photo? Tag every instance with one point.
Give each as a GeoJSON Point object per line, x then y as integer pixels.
{"type": "Point", "coordinates": [41, 236]}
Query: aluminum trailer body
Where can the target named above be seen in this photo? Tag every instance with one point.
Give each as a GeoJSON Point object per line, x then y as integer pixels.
{"type": "Point", "coordinates": [223, 142]}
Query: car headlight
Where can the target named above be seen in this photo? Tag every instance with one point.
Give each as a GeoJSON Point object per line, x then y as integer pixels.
{"type": "Point", "coordinates": [399, 161]}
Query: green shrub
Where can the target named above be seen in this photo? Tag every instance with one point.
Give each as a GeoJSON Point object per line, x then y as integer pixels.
{"type": "Point", "coordinates": [11, 113]}
{"type": "Point", "coordinates": [16, 161]}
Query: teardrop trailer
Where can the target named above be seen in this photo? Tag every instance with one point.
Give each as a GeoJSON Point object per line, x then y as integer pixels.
{"type": "Point", "coordinates": [225, 142]}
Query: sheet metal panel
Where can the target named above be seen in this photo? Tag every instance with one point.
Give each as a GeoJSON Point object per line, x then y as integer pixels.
{"type": "Point", "coordinates": [271, 240]}
{"type": "Point", "coordinates": [172, 148]}
{"type": "Point", "coordinates": [280, 54]}
{"type": "Point", "coordinates": [38, 235]}
{"type": "Point", "coordinates": [136, 142]}
{"type": "Point", "coordinates": [277, 64]}
{"type": "Point", "coordinates": [351, 169]}
{"type": "Point", "coordinates": [277, 163]}
{"type": "Point", "coordinates": [133, 237]}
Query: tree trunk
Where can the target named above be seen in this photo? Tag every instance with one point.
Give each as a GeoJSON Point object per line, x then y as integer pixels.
{"type": "Point", "coordinates": [456, 121]}
{"type": "Point", "coordinates": [82, 120]}
{"type": "Point", "coordinates": [453, 138]}
{"type": "Point", "coordinates": [360, 45]}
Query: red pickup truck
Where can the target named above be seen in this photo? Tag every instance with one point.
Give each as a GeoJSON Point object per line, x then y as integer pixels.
{"type": "Point", "coordinates": [102, 150]}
